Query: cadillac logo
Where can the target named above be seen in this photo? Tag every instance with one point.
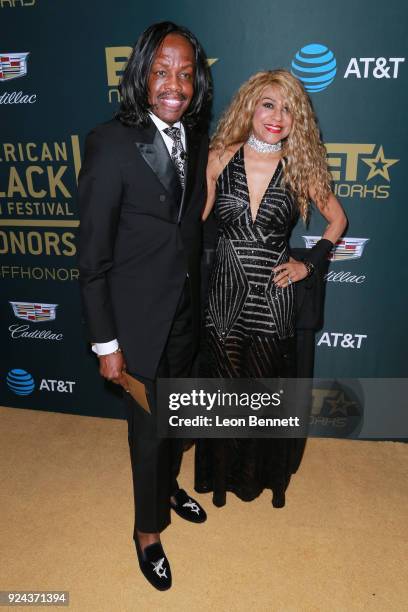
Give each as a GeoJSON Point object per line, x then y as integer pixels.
{"type": "Point", "coordinates": [345, 248]}
{"type": "Point", "coordinates": [36, 313]}
{"type": "Point", "coordinates": [13, 65]}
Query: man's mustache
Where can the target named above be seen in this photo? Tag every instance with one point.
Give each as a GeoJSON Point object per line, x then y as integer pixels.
{"type": "Point", "coordinates": [172, 96]}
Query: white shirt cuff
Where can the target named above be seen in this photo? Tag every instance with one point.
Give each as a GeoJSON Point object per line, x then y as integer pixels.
{"type": "Point", "coordinates": [104, 348]}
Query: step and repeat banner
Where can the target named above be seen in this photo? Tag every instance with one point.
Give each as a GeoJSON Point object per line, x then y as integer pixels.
{"type": "Point", "coordinates": [60, 65]}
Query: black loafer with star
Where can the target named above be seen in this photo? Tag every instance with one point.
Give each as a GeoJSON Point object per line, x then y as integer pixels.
{"type": "Point", "coordinates": [188, 508]}
{"type": "Point", "coordinates": [154, 565]}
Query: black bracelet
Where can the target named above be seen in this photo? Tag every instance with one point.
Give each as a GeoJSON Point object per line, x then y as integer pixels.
{"type": "Point", "coordinates": [309, 267]}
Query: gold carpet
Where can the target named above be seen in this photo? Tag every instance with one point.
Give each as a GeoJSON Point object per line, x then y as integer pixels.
{"type": "Point", "coordinates": [340, 544]}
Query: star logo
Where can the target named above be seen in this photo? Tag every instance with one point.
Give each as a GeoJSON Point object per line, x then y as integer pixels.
{"type": "Point", "coordinates": [340, 405]}
{"type": "Point", "coordinates": [379, 165]}
{"type": "Point", "coordinates": [194, 507]}
{"type": "Point", "coordinates": [159, 569]}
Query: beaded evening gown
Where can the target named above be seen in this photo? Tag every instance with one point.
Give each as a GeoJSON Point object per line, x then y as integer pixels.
{"type": "Point", "coordinates": [249, 330]}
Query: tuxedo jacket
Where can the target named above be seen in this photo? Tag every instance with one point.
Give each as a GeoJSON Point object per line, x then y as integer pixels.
{"type": "Point", "coordinates": [140, 237]}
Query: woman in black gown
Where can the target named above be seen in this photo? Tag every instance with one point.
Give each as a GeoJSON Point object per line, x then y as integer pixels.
{"type": "Point", "coordinates": [266, 162]}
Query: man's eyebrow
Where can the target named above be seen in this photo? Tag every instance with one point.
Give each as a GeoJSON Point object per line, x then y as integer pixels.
{"type": "Point", "coordinates": [166, 62]}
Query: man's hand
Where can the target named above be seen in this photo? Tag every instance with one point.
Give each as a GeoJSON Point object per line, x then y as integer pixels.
{"type": "Point", "coordinates": [112, 367]}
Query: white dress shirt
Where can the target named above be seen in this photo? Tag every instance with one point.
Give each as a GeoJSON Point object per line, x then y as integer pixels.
{"type": "Point", "coordinates": [161, 125]}
{"type": "Point", "coordinates": [105, 348]}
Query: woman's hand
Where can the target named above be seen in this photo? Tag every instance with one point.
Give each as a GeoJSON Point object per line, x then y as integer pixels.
{"type": "Point", "coordinates": [290, 272]}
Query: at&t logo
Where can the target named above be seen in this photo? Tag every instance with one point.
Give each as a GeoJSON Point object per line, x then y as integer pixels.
{"type": "Point", "coordinates": [377, 67]}
{"type": "Point", "coordinates": [315, 66]}
{"type": "Point", "coordinates": [342, 340]}
{"type": "Point", "coordinates": [22, 383]}
{"type": "Point", "coordinates": [61, 386]}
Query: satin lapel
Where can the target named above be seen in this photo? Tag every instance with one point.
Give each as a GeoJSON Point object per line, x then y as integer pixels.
{"type": "Point", "coordinates": [190, 170]}
{"type": "Point", "coordinates": [157, 157]}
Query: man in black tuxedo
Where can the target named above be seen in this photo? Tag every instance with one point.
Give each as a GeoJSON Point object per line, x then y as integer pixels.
{"type": "Point", "coordinates": [141, 192]}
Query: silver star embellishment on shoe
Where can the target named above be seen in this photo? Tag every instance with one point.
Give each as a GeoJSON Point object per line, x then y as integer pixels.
{"type": "Point", "coordinates": [193, 506]}
{"type": "Point", "coordinates": [159, 569]}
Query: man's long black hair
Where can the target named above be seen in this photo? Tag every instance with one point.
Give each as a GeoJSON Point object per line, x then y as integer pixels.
{"type": "Point", "coordinates": [133, 87]}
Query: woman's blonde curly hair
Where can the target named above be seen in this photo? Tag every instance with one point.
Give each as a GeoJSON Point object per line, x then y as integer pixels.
{"type": "Point", "coordinates": [303, 153]}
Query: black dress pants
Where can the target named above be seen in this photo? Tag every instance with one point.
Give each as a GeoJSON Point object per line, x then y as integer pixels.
{"type": "Point", "coordinates": [156, 461]}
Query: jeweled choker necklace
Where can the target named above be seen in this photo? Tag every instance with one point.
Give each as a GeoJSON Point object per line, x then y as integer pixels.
{"type": "Point", "coordinates": [263, 147]}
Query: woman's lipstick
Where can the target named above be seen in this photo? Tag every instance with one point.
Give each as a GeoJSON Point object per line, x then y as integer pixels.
{"type": "Point", "coordinates": [273, 129]}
